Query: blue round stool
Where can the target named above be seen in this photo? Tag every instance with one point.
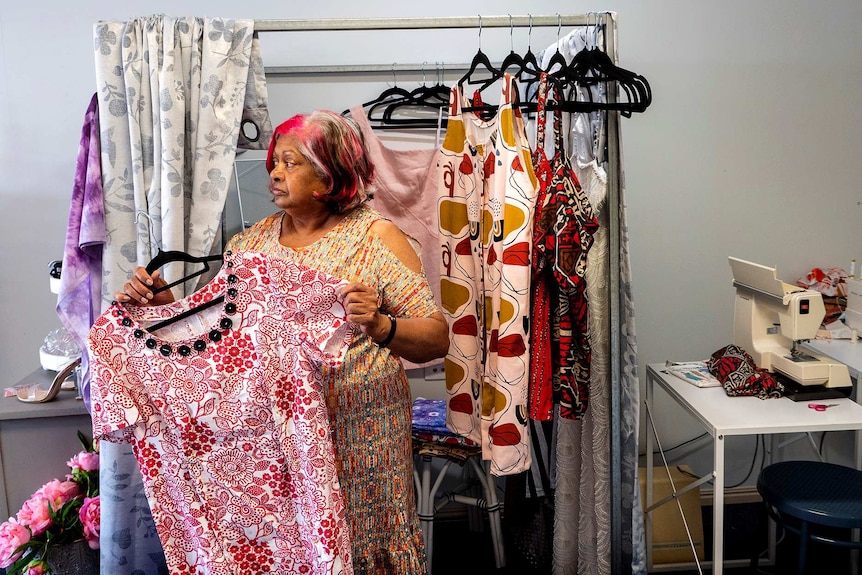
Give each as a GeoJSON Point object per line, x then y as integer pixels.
{"type": "Point", "coordinates": [801, 495]}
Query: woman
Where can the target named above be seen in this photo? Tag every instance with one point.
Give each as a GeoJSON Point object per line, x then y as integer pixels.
{"type": "Point", "coordinates": [320, 178]}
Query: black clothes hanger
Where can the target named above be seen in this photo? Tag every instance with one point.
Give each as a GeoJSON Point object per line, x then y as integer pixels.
{"type": "Point", "coordinates": [557, 61]}
{"type": "Point", "coordinates": [530, 65]}
{"type": "Point", "coordinates": [480, 60]}
{"type": "Point", "coordinates": [392, 94]}
{"type": "Point", "coordinates": [386, 97]}
{"type": "Point", "coordinates": [380, 110]}
{"type": "Point", "coordinates": [481, 64]}
{"type": "Point", "coordinates": [421, 99]}
{"type": "Point", "coordinates": [163, 258]}
{"type": "Point", "coordinates": [513, 59]}
{"type": "Point", "coordinates": [591, 66]}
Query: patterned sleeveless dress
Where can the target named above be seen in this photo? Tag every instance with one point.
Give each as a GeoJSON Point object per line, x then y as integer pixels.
{"type": "Point", "coordinates": [487, 192]}
{"type": "Point", "coordinates": [368, 395]}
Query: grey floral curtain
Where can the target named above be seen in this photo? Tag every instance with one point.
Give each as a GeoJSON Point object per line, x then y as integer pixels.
{"type": "Point", "coordinates": [171, 96]}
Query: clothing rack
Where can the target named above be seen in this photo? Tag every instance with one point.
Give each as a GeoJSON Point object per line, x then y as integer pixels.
{"type": "Point", "coordinates": [608, 20]}
{"type": "Point", "coordinates": [365, 24]}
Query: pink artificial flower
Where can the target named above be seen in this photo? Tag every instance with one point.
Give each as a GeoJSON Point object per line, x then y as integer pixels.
{"type": "Point", "coordinates": [85, 461]}
{"type": "Point", "coordinates": [37, 568]}
{"type": "Point", "coordinates": [35, 514]}
{"type": "Point", "coordinates": [90, 514]}
{"type": "Point", "coordinates": [12, 535]}
{"type": "Point", "coordinates": [60, 492]}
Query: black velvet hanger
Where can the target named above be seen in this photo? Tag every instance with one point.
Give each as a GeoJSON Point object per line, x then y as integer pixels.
{"type": "Point", "coordinates": [424, 97]}
{"type": "Point", "coordinates": [530, 64]}
{"type": "Point", "coordinates": [163, 258]}
{"type": "Point", "coordinates": [513, 60]}
{"type": "Point", "coordinates": [591, 66]}
{"type": "Point", "coordinates": [481, 63]}
{"type": "Point", "coordinates": [381, 109]}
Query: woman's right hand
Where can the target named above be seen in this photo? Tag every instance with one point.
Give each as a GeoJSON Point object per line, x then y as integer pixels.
{"type": "Point", "coordinates": [138, 290]}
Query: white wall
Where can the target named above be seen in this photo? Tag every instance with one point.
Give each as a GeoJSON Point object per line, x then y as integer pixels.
{"type": "Point", "coordinates": [749, 148]}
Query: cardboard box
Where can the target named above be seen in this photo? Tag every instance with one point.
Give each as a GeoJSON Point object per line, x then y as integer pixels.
{"type": "Point", "coordinates": [670, 543]}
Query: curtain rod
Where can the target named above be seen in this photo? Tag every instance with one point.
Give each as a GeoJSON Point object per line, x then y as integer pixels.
{"type": "Point", "coordinates": [423, 23]}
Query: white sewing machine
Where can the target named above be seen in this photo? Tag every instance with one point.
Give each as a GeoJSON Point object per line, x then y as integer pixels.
{"type": "Point", "coordinates": [771, 320]}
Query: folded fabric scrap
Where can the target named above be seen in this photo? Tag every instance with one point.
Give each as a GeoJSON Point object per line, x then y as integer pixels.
{"type": "Point", "coordinates": [739, 374]}
{"type": "Point", "coordinates": [429, 425]}
{"type": "Point", "coordinates": [829, 282]}
{"type": "Point", "coordinates": [429, 415]}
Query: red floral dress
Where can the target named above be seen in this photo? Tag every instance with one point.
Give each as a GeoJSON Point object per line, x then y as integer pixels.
{"type": "Point", "coordinates": [226, 414]}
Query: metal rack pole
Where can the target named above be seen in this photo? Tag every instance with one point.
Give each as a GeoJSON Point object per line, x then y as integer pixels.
{"type": "Point", "coordinates": [308, 25]}
{"type": "Point", "coordinates": [334, 24]}
{"type": "Point", "coordinates": [616, 315]}
{"type": "Point", "coordinates": [366, 69]}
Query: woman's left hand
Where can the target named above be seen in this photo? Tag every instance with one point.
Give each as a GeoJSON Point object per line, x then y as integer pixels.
{"type": "Point", "coordinates": [417, 339]}
{"type": "Point", "coordinates": [362, 305]}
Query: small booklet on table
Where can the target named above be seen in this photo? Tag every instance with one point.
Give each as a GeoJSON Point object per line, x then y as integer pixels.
{"type": "Point", "coordinates": [694, 372]}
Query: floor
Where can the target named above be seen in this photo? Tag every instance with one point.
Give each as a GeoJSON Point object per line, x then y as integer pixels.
{"type": "Point", "coordinates": [458, 549]}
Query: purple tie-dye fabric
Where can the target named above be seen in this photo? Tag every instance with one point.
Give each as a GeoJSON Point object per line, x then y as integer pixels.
{"type": "Point", "coordinates": [80, 299]}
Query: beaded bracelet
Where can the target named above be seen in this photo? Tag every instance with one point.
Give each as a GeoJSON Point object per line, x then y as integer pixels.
{"type": "Point", "coordinates": [389, 337]}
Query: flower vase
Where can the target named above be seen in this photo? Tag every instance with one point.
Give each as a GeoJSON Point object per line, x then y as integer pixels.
{"type": "Point", "coordinates": [75, 558]}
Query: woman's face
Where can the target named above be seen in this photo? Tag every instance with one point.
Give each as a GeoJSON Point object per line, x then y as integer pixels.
{"type": "Point", "coordinates": [293, 180]}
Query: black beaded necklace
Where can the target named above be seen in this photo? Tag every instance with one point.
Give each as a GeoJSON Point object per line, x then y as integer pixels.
{"type": "Point", "coordinates": [200, 344]}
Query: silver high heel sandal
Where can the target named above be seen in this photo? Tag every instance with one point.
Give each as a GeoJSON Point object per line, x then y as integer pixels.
{"type": "Point", "coordinates": [41, 395]}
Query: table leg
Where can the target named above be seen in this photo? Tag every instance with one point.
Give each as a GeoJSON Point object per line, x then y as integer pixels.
{"type": "Point", "coordinates": [718, 507]}
{"type": "Point", "coordinates": [649, 472]}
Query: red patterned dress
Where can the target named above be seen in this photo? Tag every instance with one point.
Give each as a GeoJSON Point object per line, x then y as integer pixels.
{"type": "Point", "coordinates": [226, 414]}
{"type": "Point", "coordinates": [563, 235]}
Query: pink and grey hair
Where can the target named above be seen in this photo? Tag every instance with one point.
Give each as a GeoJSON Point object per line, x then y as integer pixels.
{"type": "Point", "coordinates": [336, 149]}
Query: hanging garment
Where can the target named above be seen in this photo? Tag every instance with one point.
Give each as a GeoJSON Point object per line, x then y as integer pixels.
{"type": "Point", "coordinates": [226, 415]}
{"type": "Point", "coordinates": [487, 191]}
{"type": "Point", "coordinates": [588, 136]}
{"type": "Point", "coordinates": [564, 233]}
{"type": "Point", "coordinates": [368, 395]}
{"type": "Point", "coordinates": [405, 191]}
{"type": "Point", "coordinates": [79, 300]}
{"type": "Point", "coordinates": [541, 384]}
{"type": "Point", "coordinates": [582, 505]}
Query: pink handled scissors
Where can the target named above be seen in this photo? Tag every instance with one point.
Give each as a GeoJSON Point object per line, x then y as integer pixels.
{"type": "Point", "coordinates": [821, 406]}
